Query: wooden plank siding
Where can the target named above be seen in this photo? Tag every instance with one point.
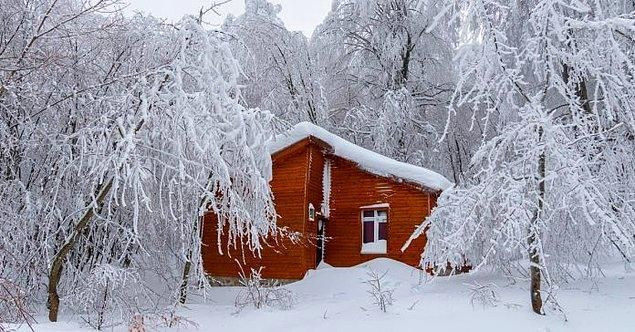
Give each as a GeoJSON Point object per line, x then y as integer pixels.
{"type": "Point", "coordinates": [286, 260]}
{"type": "Point", "coordinates": [297, 181]}
{"type": "Point", "coordinates": [314, 196]}
{"type": "Point", "coordinates": [352, 188]}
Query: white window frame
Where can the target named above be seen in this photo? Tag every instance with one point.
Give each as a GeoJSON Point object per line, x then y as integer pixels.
{"type": "Point", "coordinates": [376, 219]}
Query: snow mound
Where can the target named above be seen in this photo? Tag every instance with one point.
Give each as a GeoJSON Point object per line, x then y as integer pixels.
{"type": "Point", "coordinates": [350, 280]}
{"type": "Point", "coordinates": [367, 160]}
{"type": "Point", "coordinates": [337, 299]}
{"type": "Point", "coordinates": [387, 264]}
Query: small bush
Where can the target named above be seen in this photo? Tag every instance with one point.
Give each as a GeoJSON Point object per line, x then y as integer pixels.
{"type": "Point", "coordinates": [13, 307]}
{"type": "Point", "coordinates": [106, 296]}
{"type": "Point", "coordinates": [137, 324]}
{"type": "Point", "coordinates": [258, 294]}
{"type": "Point", "coordinates": [382, 295]}
{"type": "Point", "coordinates": [160, 320]}
{"type": "Point", "coordinates": [484, 295]}
{"type": "Point", "coordinates": [171, 319]}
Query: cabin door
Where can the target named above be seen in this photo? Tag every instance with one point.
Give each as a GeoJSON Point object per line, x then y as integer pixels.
{"type": "Point", "coordinates": [320, 241]}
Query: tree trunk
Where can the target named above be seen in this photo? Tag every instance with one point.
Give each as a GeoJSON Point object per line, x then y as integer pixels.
{"type": "Point", "coordinates": [534, 235]}
{"type": "Point", "coordinates": [186, 278]}
{"type": "Point", "coordinates": [55, 273]}
{"type": "Point", "coordinates": [534, 274]}
{"type": "Point", "coordinates": [188, 259]}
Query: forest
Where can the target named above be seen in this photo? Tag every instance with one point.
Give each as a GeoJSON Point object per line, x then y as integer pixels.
{"type": "Point", "coordinates": [118, 132]}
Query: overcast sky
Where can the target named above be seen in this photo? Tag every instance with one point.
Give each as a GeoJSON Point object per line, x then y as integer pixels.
{"type": "Point", "coordinates": [298, 15]}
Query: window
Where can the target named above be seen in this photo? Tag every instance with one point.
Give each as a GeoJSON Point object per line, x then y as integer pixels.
{"type": "Point", "coordinates": [374, 231]}
{"type": "Point", "coordinates": [311, 212]}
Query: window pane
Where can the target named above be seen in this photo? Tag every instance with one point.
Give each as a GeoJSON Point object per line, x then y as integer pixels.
{"type": "Point", "coordinates": [382, 214]}
{"type": "Point", "coordinates": [369, 213]}
{"type": "Point", "coordinates": [369, 231]}
{"type": "Point", "coordinates": [383, 231]}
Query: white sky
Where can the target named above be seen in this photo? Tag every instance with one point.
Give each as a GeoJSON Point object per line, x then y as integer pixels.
{"type": "Point", "coordinates": [297, 15]}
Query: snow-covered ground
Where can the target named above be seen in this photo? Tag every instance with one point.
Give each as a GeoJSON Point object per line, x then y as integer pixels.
{"type": "Point", "coordinates": [336, 299]}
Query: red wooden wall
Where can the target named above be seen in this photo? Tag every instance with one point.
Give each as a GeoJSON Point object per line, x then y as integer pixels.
{"type": "Point", "coordinates": [297, 181]}
{"type": "Point", "coordinates": [352, 188]}
{"type": "Point", "coordinates": [314, 196]}
{"type": "Point", "coordinates": [287, 260]}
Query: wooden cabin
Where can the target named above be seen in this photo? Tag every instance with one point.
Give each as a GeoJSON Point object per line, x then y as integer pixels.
{"type": "Point", "coordinates": [363, 204]}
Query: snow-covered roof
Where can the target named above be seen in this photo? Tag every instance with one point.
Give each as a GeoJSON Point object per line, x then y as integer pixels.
{"type": "Point", "coordinates": [367, 160]}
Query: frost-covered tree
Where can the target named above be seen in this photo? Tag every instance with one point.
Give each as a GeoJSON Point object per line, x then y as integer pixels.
{"type": "Point", "coordinates": [374, 71]}
{"type": "Point", "coordinates": [390, 43]}
{"type": "Point", "coordinates": [116, 135]}
{"type": "Point", "coordinates": [279, 68]}
{"type": "Point", "coordinates": [556, 186]}
{"type": "Point", "coordinates": [390, 75]}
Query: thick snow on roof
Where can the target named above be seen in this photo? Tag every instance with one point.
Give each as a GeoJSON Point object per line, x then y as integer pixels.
{"type": "Point", "coordinates": [367, 160]}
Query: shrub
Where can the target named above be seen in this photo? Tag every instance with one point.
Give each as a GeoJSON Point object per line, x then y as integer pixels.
{"type": "Point", "coordinates": [13, 307]}
{"type": "Point", "coordinates": [258, 293]}
{"type": "Point", "coordinates": [382, 295]}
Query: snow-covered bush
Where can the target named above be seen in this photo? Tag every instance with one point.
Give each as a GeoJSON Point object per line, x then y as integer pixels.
{"type": "Point", "coordinates": [379, 289]}
{"type": "Point", "coordinates": [484, 295]}
{"type": "Point", "coordinates": [14, 308]}
{"type": "Point", "coordinates": [137, 324]}
{"type": "Point", "coordinates": [107, 296]}
{"type": "Point", "coordinates": [170, 319]}
{"type": "Point", "coordinates": [259, 293]}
